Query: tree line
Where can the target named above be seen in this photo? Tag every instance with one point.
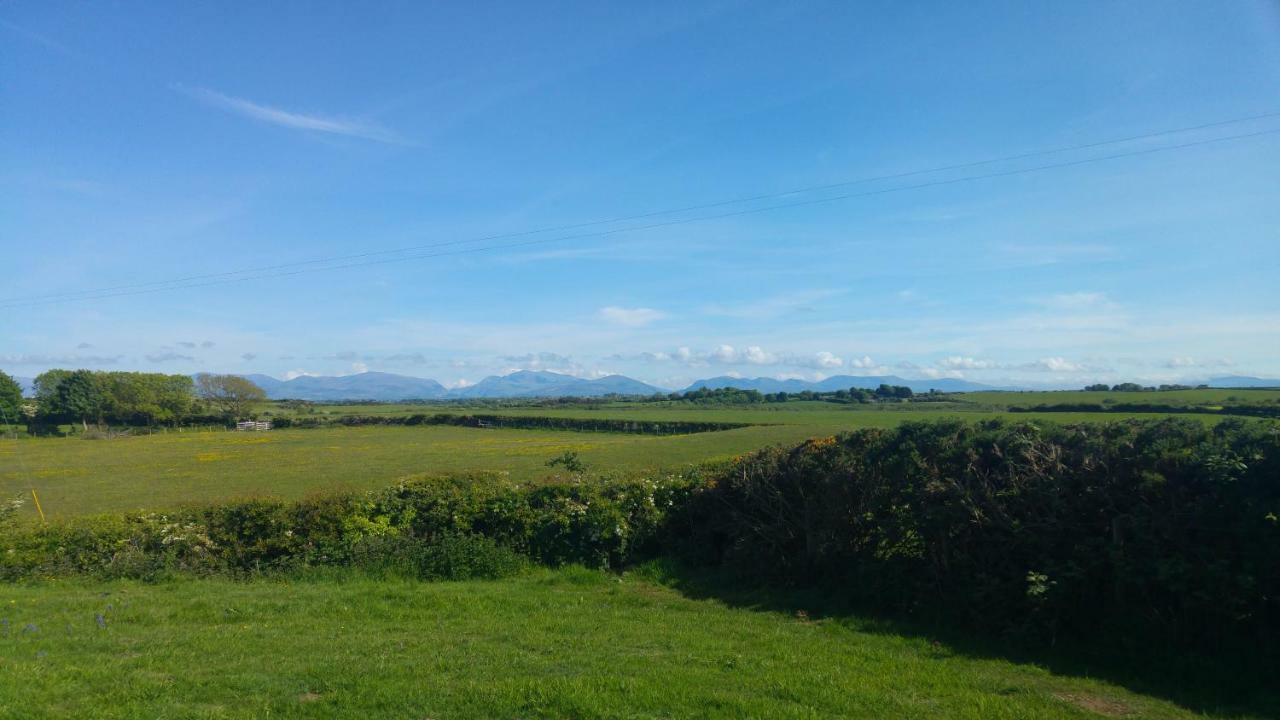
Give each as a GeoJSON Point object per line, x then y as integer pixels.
{"type": "Point", "coordinates": [519, 422]}
{"type": "Point", "coordinates": [85, 397]}
{"type": "Point", "coordinates": [1135, 387]}
{"type": "Point", "coordinates": [738, 396]}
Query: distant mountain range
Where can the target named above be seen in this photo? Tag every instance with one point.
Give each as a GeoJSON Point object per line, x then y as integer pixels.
{"type": "Point", "coordinates": [364, 386]}
{"type": "Point", "coordinates": [389, 387]}
{"type": "Point", "coordinates": [531, 384]}
{"type": "Point", "coordinates": [1243, 381]}
{"type": "Point", "coordinates": [838, 382]}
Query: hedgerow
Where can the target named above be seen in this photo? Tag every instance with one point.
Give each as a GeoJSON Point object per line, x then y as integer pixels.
{"type": "Point", "coordinates": [1147, 529]}
{"type": "Point", "coordinates": [1253, 410]}
{"type": "Point", "coordinates": [586, 521]}
{"type": "Point", "coordinates": [1159, 531]}
{"type": "Point", "coordinates": [517, 422]}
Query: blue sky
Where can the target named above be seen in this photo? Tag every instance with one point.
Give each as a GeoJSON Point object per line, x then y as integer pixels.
{"type": "Point", "coordinates": [143, 143]}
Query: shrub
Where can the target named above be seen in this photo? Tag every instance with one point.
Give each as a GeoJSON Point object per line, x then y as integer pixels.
{"type": "Point", "coordinates": [1155, 529]}
{"type": "Point", "coordinates": [253, 534]}
{"type": "Point", "coordinates": [9, 508]}
{"type": "Point", "coordinates": [590, 521]}
{"type": "Point", "coordinates": [138, 546]}
{"type": "Point", "coordinates": [458, 526]}
{"type": "Point", "coordinates": [448, 557]}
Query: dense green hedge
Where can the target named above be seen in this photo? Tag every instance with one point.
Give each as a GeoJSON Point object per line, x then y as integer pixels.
{"type": "Point", "coordinates": [586, 521]}
{"type": "Point", "coordinates": [1255, 410]}
{"type": "Point", "coordinates": [1159, 531]}
{"type": "Point", "coordinates": [519, 422]}
{"type": "Point", "coordinates": [1147, 529]}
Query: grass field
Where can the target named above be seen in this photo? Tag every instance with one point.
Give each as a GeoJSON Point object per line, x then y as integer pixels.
{"type": "Point", "coordinates": [564, 643]}
{"type": "Point", "coordinates": [77, 476]}
{"type": "Point", "coordinates": [546, 644]}
{"type": "Point", "coordinates": [962, 402]}
{"type": "Point", "coordinates": [1203, 397]}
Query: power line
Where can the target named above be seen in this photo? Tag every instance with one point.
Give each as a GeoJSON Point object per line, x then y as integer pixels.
{"type": "Point", "coordinates": [291, 269]}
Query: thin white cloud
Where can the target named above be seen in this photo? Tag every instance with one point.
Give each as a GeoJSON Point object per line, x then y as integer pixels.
{"type": "Point", "coordinates": [551, 362]}
{"type": "Point", "coordinates": [630, 317]}
{"type": "Point", "coordinates": [545, 358]}
{"type": "Point", "coordinates": [825, 359]}
{"type": "Point", "coordinates": [1054, 253]}
{"type": "Point", "coordinates": [1190, 362]}
{"type": "Point", "coordinates": [289, 119]}
{"type": "Point", "coordinates": [750, 355]}
{"type": "Point", "coordinates": [953, 365]}
{"type": "Point", "coordinates": [936, 373]}
{"type": "Point", "coordinates": [957, 362]}
{"type": "Point", "coordinates": [40, 38]}
{"type": "Point", "coordinates": [773, 307]}
{"type": "Point", "coordinates": [1079, 301]}
{"type": "Point", "coordinates": [413, 358]}
{"type": "Point", "coordinates": [1054, 364]}
{"type": "Point", "coordinates": [60, 360]}
{"type": "Point", "coordinates": [169, 357]}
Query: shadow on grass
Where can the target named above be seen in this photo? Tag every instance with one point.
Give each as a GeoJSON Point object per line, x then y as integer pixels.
{"type": "Point", "coordinates": [1233, 684]}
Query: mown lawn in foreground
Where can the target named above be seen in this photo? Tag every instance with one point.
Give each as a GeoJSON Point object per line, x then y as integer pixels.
{"type": "Point", "coordinates": [563, 643]}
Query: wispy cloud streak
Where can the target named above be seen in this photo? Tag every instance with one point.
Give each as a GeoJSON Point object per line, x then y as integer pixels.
{"type": "Point", "coordinates": [288, 119]}
{"type": "Point", "coordinates": [38, 38]}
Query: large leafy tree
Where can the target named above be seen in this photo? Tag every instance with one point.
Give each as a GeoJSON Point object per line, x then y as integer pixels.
{"type": "Point", "coordinates": [77, 397]}
{"type": "Point", "coordinates": [231, 395]}
{"type": "Point", "coordinates": [47, 387]}
{"type": "Point", "coordinates": [125, 397]}
{"type": "Point", "coordinates": [10, 399]}
{"type": "Point", "coordinates": [145, 398]}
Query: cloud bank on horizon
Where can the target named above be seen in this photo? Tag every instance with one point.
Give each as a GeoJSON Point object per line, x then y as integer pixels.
{"type": "Point", "coordinates": [140, 151]}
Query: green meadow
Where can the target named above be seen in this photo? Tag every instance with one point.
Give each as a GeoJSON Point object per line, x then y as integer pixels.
{"type": "Point", "coordinates": [649, 642]}
{"type": "Point", "coordinates": [566, 643]}
{"type": "Point", "coordinates": [1208, 397]}
{"type": "Point", "coordinates": [168, 468]}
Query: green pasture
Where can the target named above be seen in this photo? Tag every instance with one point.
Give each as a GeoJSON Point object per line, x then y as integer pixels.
{"type": "Point", "coordinates": [1210, 397]}
{"type": "Point", "coordinates": [78, 476]}
{"type": "Point", "coordinates": [567, 643]}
